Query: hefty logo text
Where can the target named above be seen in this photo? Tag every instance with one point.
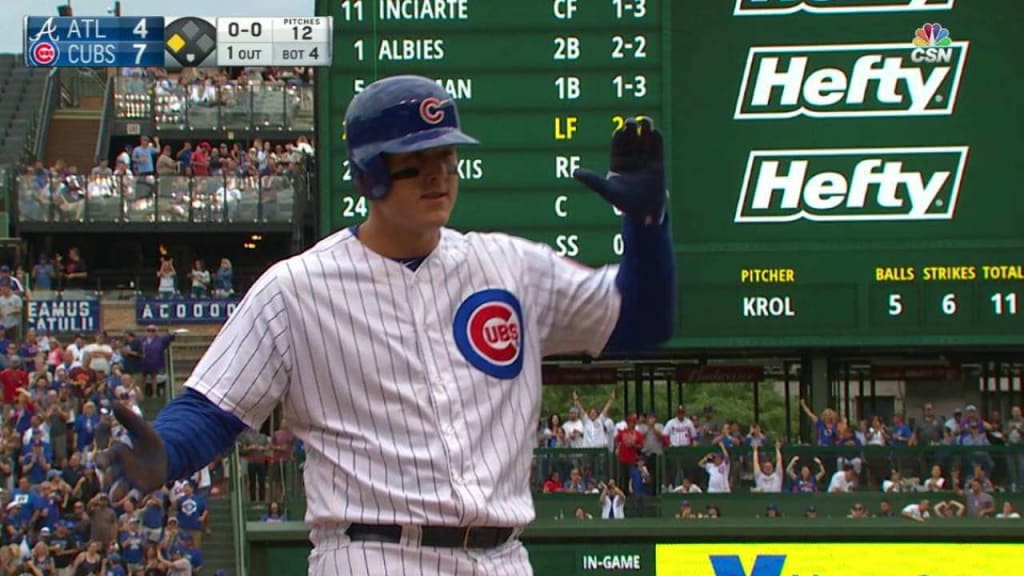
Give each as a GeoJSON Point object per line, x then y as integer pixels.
{"type": "Point", "coordinates": [850, 80]}
{"type": "Point", "coordinates": [785, 7]}
{"type": "Point", "coordinates": [852, 184]}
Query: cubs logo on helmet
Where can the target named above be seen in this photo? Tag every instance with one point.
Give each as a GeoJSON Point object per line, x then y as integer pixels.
{"type": "Point", "coordinates": [431, 110]}
{"type": "Point", "coordinates": [488, 330]}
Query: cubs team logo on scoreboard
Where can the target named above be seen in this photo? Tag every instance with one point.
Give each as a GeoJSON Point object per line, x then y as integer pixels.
{"type": "Point", "coordinates": [488, 331]}
{"type": "Point", "coordinates": [916, 78]}
{"type": "Point", "coordinates": [784, 7]}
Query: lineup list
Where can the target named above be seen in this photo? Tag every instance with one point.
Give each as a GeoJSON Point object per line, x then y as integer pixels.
{"type": "Point", "coordinates": [543, 98]}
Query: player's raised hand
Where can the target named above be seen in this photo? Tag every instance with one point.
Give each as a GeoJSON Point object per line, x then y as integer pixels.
{"type": "Point", "coordinates": [635, 183]}
{"type": "Point", "coordinates": [141, 466]}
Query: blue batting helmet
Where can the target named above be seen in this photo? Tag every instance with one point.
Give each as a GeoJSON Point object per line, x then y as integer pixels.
{"type": "Point", "coordinates": [395, 115]}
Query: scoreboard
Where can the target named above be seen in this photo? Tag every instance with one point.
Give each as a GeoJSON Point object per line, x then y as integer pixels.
{"type": "Point", "coordinates": [176, 42]}
{"type": "Point", "coordinates": [843, 172]}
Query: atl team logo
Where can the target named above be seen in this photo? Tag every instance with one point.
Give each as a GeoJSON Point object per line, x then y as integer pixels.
{"type": "Point", "coordinates": [489, 332]}
{"type": "Point", "coordinates": [852, 184]}
{"type": "Point", "coordinates": [916, 78]}
{"type": "Point", "coordinates": [431, 110]}
{"type": "Point", "coordinates": [785, 7]}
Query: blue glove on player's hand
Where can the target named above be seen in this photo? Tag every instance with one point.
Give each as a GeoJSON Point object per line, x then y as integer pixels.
{"type": "Point", "coordinates": [636, 173]}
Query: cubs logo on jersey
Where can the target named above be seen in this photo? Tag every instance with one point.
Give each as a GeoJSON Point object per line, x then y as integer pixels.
{"type": "Point", "coordinates": [489, 332]}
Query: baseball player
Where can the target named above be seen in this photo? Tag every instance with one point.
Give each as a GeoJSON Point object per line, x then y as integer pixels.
{"type": "Point", "coordinates": [407, 355]}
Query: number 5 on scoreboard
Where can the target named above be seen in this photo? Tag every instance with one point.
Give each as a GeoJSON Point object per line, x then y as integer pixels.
{"type": "Point", "coordinates": [140, 50]}
{"type": "Point", "coordinates": [895, 304]}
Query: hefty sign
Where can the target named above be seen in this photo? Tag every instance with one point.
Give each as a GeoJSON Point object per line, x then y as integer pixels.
{"type": "Point", "coordinates": [852, 184]}
{"type": "Point", "coordinates": [784, 7]}
{"type": "Point", "coordinates": [852, 80]}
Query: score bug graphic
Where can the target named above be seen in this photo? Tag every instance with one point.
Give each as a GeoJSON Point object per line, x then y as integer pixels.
{"type": "Point", "coordinates": [488, 331]}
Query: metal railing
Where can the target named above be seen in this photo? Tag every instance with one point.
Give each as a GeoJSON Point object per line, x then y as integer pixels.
{"type": "Point", "coordinates": [164, 199]}
{"type": "Point", "coordinates": [204, 106]}
{"type": "Point", "coordinates": [36, 144]}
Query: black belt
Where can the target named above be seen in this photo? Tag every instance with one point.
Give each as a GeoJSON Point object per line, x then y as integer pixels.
{"type": "Point", "coordinates": [434, 536]}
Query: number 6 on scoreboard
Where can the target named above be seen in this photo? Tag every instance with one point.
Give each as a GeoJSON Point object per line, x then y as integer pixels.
{"type": "Point", "coordinates": [949, 305]}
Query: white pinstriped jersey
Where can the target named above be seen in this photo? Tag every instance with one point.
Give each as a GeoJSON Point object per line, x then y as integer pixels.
{"type": "Point", "coordinates": [416, 393]}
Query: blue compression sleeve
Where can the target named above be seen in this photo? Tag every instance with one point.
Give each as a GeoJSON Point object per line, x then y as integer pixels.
{"type": "Point", "coordinates": [646, 282]}
{"type": "Point", "coordinates": [195, 432]}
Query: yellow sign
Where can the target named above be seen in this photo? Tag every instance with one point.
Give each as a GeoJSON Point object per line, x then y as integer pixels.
{"type": "Point", "coordinates": [814, 559]}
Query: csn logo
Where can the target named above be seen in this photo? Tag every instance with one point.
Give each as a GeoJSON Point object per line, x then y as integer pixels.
{"type": "Point", "coordinates": [785, 7]}
{"type": "Point", "coordinates": [852, 184]}
{"type": "Point", "coordinates": [917, 78]}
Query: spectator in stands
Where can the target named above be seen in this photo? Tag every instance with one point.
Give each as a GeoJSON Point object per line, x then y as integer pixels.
{"type": "Point", "coordinates": [10, 310]}
{"type": "Point", "coordinates": [274, 513]}
{"type": "Point", "coordinates": [553, 483]}
{"type": "Point", "coordinates": [1015, 442]}
{"type": "Point", "coordinates": [805, 482]}
{"type": "Point", "coordinates": [935, 482]}
{"type": "Point", "coordinates": [222, 282]}
{"type": "Point", "coordinates": [200, 279]}
{"type": "Point", "coordinates": [917, 512]}
{"type": "Point", "coordinates": [74, 273]}
{"type": "Point", "coordinates": [167, 278]}
{"type": "Point", "coordinates": [687, 486]}
{"type": "Point", "coordinates": [97, 355]}
{"type": "Point", "coordinates": [717, 465]}
{"type": "Point", "coordinates": [949, 509]}
{"type": "Point", "coordinates": [165, 164]}
{"type": "Point", "coordinates": [976, 437]}
{"type": "Point", "coordinates": [613, 501]}
{"type": "Point", "coordinates": [685, 511]}
{"type": "Point", "coordinates": [858, 512]}
{"type": "Point", "coordinates": [628, 442]}
{"type": "Point", "coordinates": [928, 430]}
{"type": "Point", "coordinates": [641, 486]}
{"type": "Point", "coordinates": [1009, 512]}
{"type": "Point", "coordinates": [153, 347]}
{"type": "Point", "coordinates": [10, 280]}
{"type": "Point", "coordinates": [575, 483]}
{"type": "Point", "coordinates": [844, 480]}
{"type": "Point", "coordinates": [825, 426]}
{"type": "Point", "coordinates": [979, 503]}
{"type": "Point", "coordinates": [768, 476]}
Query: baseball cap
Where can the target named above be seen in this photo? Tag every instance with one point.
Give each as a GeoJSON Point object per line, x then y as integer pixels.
{"type": "Point", "coordinates": [115, 557]}
{"type": "Point", "coordinates": [958, 410]}
{"type": "Point", "coordinates": [684, 504]}
{"type": "Point", "coordinates": [5, 268]}
{"type": "Point", "coordinates": [972, 408]}
{"type": "Point", "coordinates": [773, 507]}
{"type": "Point", "coordinates": [811, 508]}
{"type": "Point", "coordinates": [574, 410]}
{"type": "Point", "coordinates": [44, 531]}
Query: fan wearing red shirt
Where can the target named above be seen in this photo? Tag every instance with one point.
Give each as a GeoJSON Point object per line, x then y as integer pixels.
{"type": "Point", "coordinates": [628, 442]}
{"type": "Point", "coordinates": [13, 378]}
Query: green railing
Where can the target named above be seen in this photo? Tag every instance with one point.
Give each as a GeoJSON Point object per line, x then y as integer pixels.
{"type": "Point", "coordinates": [598, 465]}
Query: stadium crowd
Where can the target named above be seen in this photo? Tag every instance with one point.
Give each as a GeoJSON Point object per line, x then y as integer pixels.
{"type": "Point", "coordinates": [56, 517]}
{"type": "Point", "coordinates": [202, 182]}
{"type": "Point", "coordinates": [948, 457]}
